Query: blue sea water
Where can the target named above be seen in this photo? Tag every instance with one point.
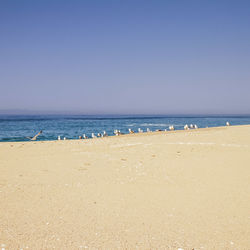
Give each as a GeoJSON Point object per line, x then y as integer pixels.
{"type": "Point", "coordinates": [19, 127]}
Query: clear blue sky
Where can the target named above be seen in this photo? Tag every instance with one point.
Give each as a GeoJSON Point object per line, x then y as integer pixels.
{"type": "Point", "coordinates": [152, 57]}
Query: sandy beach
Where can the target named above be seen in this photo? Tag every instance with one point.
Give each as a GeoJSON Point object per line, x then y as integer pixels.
{"type": "Point", "coordinates": [161, 190]}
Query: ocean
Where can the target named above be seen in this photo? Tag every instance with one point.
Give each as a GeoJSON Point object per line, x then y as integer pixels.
{"type": "Point", "coordinates": [19, 127]}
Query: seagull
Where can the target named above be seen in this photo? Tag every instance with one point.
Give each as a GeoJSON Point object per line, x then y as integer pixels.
{"type": "Point", "coordinates": [171, 127]}
{"type": "Point", "coordinates": [131, 131]}
{"type": "Point", "coordinates": [35, 137]}
{"type": "Point", "coordinates": [117, 132]}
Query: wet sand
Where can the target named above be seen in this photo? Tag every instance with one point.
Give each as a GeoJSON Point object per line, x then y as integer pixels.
{"type": "Point", "coordinates": [161, 190]}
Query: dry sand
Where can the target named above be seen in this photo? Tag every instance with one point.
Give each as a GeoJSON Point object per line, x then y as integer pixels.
{"type": "Point", "coordinates": [164, 190]}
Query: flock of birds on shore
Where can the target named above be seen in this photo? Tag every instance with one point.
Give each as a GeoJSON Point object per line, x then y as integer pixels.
{"type": "Point", "coordinates": [118, 132]}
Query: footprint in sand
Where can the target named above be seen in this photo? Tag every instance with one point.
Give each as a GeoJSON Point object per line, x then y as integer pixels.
{"type": "Point", "coordinates": [82, 169]}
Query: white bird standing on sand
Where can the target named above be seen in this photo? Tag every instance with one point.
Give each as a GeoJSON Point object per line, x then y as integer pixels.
{"type": "Point", "coordinates": [195, 126]}
{"type": "Point", "coordinates": [117, 132]}
{"type": "Point", "coordinates": [227, 123]}
{"type": "Point", "coordinates": [84, 136]}
{"type": "Point", "coordinates": [148, 130]}
{"type": "Point", "coordinates": [191, 126]}
{"type": "Point", "coordinates": [186, 127]}
{"type": "Point", "coordinates": [131, 131]}
{"type": "Point", "coordinates": [171, 128]}
{"type": "Point", "coordinates": [59, 138]}
{"type": "Point", "coordinates": [93, 135]}
{"type": "Point", "coordinates": [64, 138]}
{"type": "Point", "coordinates": [140, 130]}
{"type": "Point", "coordinates": [105, 133]}
{"type": "Point", "coordinates": [99, 135]}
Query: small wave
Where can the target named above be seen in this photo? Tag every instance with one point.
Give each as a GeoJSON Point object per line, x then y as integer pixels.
{"type": "Point", "coordinates": [154, 124]}
{"type": "Point", "coordinates": [160, 125]}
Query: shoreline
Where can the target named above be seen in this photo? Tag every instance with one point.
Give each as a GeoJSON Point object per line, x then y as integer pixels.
{"type": "Point", "coordinates": [133, 134]}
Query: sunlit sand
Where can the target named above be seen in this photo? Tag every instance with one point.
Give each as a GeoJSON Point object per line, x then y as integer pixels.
{"type": "Point", "coordinates": [157, 190]}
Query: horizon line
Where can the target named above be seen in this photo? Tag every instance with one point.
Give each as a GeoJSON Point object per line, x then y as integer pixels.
{"type": "Point", "coordinates": [126, 114]}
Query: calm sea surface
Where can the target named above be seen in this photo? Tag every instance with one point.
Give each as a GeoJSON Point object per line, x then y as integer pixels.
{"type": "Point", "coordinates": [18, 128]}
